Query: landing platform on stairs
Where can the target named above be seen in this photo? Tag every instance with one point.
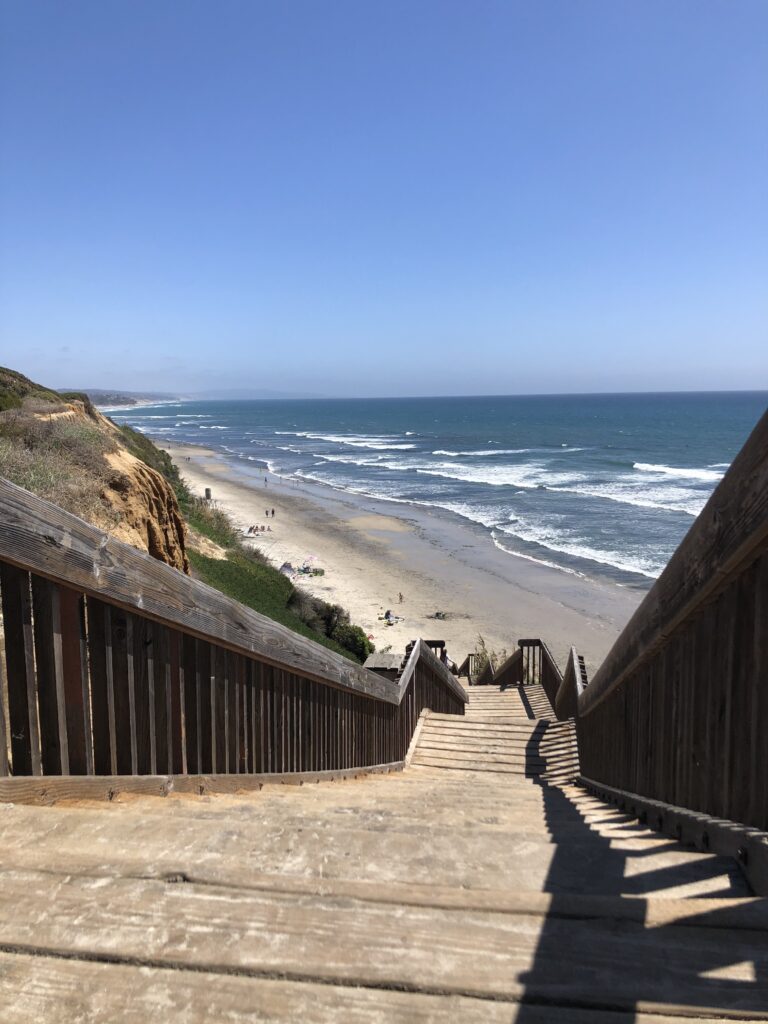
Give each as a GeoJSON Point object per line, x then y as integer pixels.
{"type": "Point", "coordinates": [479, 884]}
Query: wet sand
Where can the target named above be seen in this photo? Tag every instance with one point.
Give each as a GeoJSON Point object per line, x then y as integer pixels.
{"type": "Point", "coordinates": [373, 551]}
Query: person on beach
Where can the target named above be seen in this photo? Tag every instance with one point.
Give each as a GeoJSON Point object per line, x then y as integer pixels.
{"type": "Point", "coordinates": [273, 513]}
{"type": "Point", "coordinates": [400, 598]}
{"type": "Point", "coordinates": [265, 481]}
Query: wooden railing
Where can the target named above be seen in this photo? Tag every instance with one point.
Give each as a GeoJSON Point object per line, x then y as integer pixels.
{"type": "Point", "coordinates": [532, 663]}
{"type": "Point", "coordinates": [116, 664]}
{"type": "Point", "coordinates": [678, 711]}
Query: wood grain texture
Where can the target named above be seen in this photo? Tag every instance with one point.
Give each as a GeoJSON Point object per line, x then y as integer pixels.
{"type": "Point", "coordinates": [138, 921]}
{"type": "Point", "coordinates": [43, 990]}
{"type": "Point", "coordinates": [41, 537]}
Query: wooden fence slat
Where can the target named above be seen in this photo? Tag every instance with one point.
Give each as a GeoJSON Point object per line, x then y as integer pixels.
{"type": "Point", "coordinates": [4, 767]}
{"type": "Point", "coordinates": [74, 680]}
{"type": "Point", "coordinates": [155, 686]}
{"type": "Point", "coordinates": [141, 652]}
{"type": "Point", "coordinates": [85, 678]}
{"type": "Point", "coordinates": [174, 675]}
{"type": "Point", "coordinates": [48, 658]}
{"type": "Point", "coordinates": [122, 686]}
{"type": "Point", "coordinates": [96, 614]}
{"type": "Point", "coordinates": [191, 729]}
{"type": "Point", "coordinates": [161, 676]}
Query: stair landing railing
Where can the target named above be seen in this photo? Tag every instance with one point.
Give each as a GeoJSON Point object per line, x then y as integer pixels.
{"type": "Point", "coordinates": [118, 666]}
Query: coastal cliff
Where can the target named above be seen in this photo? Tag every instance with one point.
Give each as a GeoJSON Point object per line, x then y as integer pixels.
{"type": "Point", "coordinates": [59, 446]}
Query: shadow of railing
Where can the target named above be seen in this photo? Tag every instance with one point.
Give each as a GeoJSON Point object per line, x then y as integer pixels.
{"type": "Point", "coordinates": [615, 937]}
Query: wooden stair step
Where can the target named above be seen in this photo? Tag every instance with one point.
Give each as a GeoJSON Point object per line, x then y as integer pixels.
{"type": "Point", "coordinates": [41, 989]}
{"type": "Point", "coordinates": [342, 941]}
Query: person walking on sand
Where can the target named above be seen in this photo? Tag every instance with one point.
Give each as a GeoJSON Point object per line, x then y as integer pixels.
{"type": "Point", "coordinates": [265, 481]}
{"type": "Point", "coordinates": [400, 598]}
{"type": "Point", "coordinates": [273, 513]}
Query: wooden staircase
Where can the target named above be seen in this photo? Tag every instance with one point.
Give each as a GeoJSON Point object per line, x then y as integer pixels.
{"type": "Point", "coordinates": [479, 884]}
{"type": "Point", "coordinates": [510, 731]}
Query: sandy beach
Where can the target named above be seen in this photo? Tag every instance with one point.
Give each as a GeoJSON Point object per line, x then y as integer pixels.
{"type": "Point", "coordinates": [374, 551]}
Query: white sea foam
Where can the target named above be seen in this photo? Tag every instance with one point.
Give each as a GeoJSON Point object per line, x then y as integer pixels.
{"type": "Point", "coordinates": [625, 490]}
{"type": "Point", "coordinates": [530, 558]}
{"type": "Point", "coordinates": [683, 473]}
{"type": "Point", "coordinates": [548, 537]}
{"type": "Point", "coordinates": [378, 442]}
{"type": "Point", "coordinates": [484, 452]}
{"type": "Point", "coordinates": [527, 474]}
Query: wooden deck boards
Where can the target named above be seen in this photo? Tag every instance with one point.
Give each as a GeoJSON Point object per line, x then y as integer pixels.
{"type": "Point", "coordinates": [433, 895]}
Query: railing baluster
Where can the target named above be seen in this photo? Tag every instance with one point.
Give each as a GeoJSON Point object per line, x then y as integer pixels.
{"type": "Point", "coordinates": [122, 693]}
{"type": "Point", "coordinates": [74, 679]}
{"type": "Point", "coordinates": [174, 674]}
{"type": "Point", "coordinates": [98, 656]}
{"type": "Point", "coordinates": [4, 767]}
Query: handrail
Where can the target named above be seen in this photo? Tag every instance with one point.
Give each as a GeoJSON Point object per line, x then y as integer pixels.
{"type": "Point", "coordinates": [42, 538]}
{"type": "Point", "coordinates": [731, 531]}
{"type": "Point", "coordinates": [510, 673]}
{"type": "Point", "coordinates": [421, 652]}
{"type": "Point", "coordinates": [677, 710]}
{"type": "Point", "coordinates": [574, 681]}
{"type": "Point", "coordinates": [116, 664]}
{"type": "Point", "coordinates": [550, 676]}
{"type": "Point", "coordinates": [532, 662]}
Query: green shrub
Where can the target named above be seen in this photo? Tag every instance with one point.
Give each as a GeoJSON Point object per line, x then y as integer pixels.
{"type": "Point", "coordinates": [260, 587]}
{"type": "Point", "coordinates": [213, 523]}
{"type": "Point", "coordinates": [353, 639]}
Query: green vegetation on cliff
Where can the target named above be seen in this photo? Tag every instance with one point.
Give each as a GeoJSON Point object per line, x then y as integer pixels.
{"type": "Point", "coordinates": [245, 575]}
{"type": "Point", "coordinates": [59, 447]}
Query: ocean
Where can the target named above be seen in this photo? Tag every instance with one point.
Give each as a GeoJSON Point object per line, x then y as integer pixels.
{"type": "Point", "coordinates": [596, 485]}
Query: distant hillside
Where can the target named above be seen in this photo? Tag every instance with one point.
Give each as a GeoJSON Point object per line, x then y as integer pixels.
{"type": "Point", "coordinates": [107, 397]}
{"type": "Point", "coordinates": [60, 447]}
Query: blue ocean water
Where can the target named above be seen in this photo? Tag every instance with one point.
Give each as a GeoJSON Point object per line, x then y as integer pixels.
{"type": "Point", "coordinates": [597, 485]}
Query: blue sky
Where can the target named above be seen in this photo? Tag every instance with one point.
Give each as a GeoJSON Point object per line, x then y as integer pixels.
{"type": "Point", "coordinates": [375, 198]}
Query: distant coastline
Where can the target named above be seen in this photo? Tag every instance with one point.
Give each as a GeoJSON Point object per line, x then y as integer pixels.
{"type": "Point", "coordinates": [600, 489]}
{"type": "Point", "coordinates": [373, 551]}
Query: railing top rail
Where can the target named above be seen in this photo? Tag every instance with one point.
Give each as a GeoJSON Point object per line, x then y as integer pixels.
{"type": "Point", "coordinates": [730, 531]}
{"type": "Point", "coordinates": [44, 539]}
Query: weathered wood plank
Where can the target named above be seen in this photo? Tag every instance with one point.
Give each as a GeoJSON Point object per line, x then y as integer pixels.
{"type": "Point", "coordinates": [20, 671]}
{"type": "Point", "coordinates": [4, 767]}
{"type": "Point", "coordinates": [40, 536]}
{"type": "Point", "coordinates": [282, 934]}
{"type": "Point", "coordinates": [50, 684]}
{"type": "Point", "coordinates": [75, 685]}
{"type": "Point", "coordinates": [45, 990]}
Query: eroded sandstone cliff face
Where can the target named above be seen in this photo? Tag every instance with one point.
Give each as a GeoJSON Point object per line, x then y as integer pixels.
{"type": "Point", "coordinates": [65, 450]}
{"type": "Point", "coordinates": [146, 510]}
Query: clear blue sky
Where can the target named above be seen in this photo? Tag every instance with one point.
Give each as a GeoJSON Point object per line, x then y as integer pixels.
{"type": "Point", "coordinates": [379, 197]}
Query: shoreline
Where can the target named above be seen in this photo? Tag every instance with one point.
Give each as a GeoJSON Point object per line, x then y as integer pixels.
{"type": "Point", "coordinates": [374, 550]}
